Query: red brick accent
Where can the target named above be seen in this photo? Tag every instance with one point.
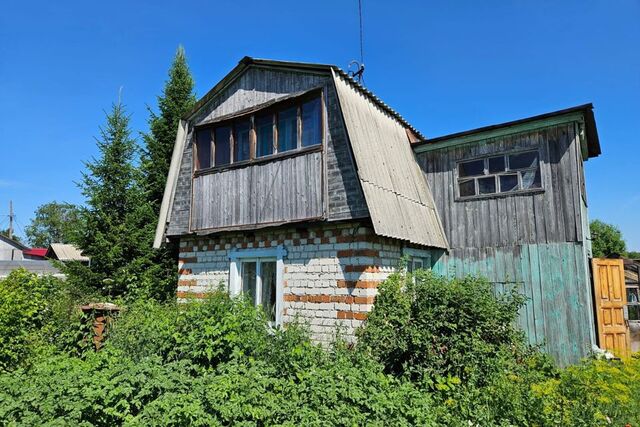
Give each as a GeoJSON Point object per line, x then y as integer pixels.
{"type": "Point", "coordinates": [348, 299]}
{"type": "Point", "coordinates": [188, 260]}
{"type": "Point", "coordinates": [190, 282]}
{"type": "Point", "coordinates": [358, 252]}
{"type": "Point", "coordinates": [184, 271]}
{"type": "Point", "coordinates": [358, 315]}
{"type": "Point", "coordinates": [362, 268]}
{"type": "Point", "coordinates": [363, 284]}
{"type": "Point", "coordinates": [197, 295]}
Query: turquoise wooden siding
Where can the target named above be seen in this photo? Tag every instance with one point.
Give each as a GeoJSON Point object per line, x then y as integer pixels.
{"type": "Point", "coordinates": [554, 279]}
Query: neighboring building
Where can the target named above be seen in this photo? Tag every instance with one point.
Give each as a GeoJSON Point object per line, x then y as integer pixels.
{"type": "Point", "coordinates": [35, 253]}
{"type": "Point", "coordinates": [293, 183]}
{"type": "Point", "coordinates": [66, 252]}
{"type": "Point", "coordinates": [10, 249]}
{"type": "Point", "coordinates": [32, 266]}
{"type": "Point", "coordinates": [632, 284]}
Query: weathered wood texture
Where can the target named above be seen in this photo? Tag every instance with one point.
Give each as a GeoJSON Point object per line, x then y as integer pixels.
{"type": "Point", "coordinates": [553, 215]}
{"type": "Point", "coordinates": [284, 190]}
{"type": "Point", "coordinates": [259, 85]}
{"type": "Point", "coordinates": [533, 241]}
{"type": "Point", "coordinates": [610, 300]}
{"type": "Point", "coordinates": [551, 276]}
{"type": "Point", "coordinates": [396, 191]}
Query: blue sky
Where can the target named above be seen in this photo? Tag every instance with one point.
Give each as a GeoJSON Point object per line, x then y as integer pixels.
{"type": "Point", "coordinates": [446, 66]}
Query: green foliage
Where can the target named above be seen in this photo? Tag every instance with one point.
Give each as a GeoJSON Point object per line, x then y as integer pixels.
{"type": "Point", "coordinates": [37, 316]}
{"type": "Point", "coordinates": [5, 232]}
{"type": "Point", "coordinates": [425, 326]}
{"type": "Point", "coordinates": [607, 240]}
{"type": "Point", "coordinates": [115, 235]}
{"type": "Point", "coordinates": [633, 254]}
{"type": "Point", "coordinates": [54, 223]}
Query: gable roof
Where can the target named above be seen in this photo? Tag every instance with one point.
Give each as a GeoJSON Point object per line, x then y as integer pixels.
{"type": "Point", "coordinates": [248, 61]}
{"type": "Point", "coordinates": [65, 252]}
{"type": "Point", "coordinates": [581, 112]}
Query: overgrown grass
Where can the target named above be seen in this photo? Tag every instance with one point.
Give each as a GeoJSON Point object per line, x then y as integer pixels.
{"type": "Point", "coordinates": [434, 352]}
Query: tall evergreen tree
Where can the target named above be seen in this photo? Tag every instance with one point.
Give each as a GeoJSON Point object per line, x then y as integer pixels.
{"type": "Point", "coordinates": [176, 100]}
{"type": "Point", "coordinates": [115, 235]}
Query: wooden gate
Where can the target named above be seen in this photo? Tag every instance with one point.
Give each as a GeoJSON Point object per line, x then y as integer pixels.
{"type": "Point", "coordinates": [611, 300]}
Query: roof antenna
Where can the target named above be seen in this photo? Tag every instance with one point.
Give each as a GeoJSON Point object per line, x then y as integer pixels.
{"type": "Point", "coordinates": [359, 71]}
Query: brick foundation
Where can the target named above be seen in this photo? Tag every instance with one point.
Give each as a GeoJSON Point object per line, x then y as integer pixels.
{"type": "Point", "coordinates": [331, 272]}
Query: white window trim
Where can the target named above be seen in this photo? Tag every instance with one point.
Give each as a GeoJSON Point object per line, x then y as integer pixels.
{"type": "Point", "coordinates": [236, 256]}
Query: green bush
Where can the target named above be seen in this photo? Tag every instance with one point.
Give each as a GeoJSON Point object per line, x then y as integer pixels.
{"type": "Point", "coordinates": [38, 315]}
{"type": "Point", "coordinates": [427, 327]}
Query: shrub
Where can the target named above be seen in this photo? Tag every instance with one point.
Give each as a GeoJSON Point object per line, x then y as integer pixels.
{"type": "Point", "coordinates": [428, 327]}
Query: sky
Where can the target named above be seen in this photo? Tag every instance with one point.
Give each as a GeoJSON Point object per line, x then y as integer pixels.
{"type": "Point", "coordinates": [446, 66]}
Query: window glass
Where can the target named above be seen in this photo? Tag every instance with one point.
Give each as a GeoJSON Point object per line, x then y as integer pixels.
{"type": "Point", "coordinates": [475, 167]}
{"type": "Point", "coordinates": [287, 129]}
{"type": "Point", "coordinates": [523, 160]}
{"type": "Point", "coordinates": [487, 185]}
{"type": "Point", "coordinates": [531, 179]}
{"type": "Point", "coordinates": [203, 148]}
{"type": "Point", "coordinates": [311, 123]}
{"type": "Point", "coordinates": [268, 273]}
{"type": "Point", "coordinates": [496, 164]}
{"type": "Point", "coordinates": [467, 188]}
{"type": "Point", "coordinates": [632, 295]}
{"type": "Point", "coordinates": [222, 139]}
{"type": "Point", "coordinates": [634, 312]}
{"type": "Point", "coordinates": [508, 183]}
{"type": "Point", "coordinates": [264, 133]}
{"type": "Point", "coordinates": [249, 279]}
{"type": "Point", "coordinates": [241, 140]}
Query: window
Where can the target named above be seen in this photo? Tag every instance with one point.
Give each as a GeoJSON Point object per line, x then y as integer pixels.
{"type": "Point", "coordinates": [203, 149]}
{"type": "Point", "coordinates": [417, 259]}
{"type": "Point", "coordinates": [506, 173]}
{"type": "Point", "coordinates": [222, 145]}
{"type": "Point", "coordinates": [258, 273]}
{"type": "Point", "coordinates": [264, 134]}
{"type": "Point", "coordinates": [290, 126]}
{"type": "Point", "coordinates": [242, 141]}
{"type": "Point", "coordinates": [287, 129]}
{"type": "Point", "coordinates": [311, 123]}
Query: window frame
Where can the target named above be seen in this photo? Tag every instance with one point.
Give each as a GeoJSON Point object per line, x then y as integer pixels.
{"type": "Point", "coordinates": [277, 254]}
{"type": "Point", "coordinates": [414, 255]}
{"type": "Point", "coordinates": [496, 175]}
{"type": "Point", "coordinates": [272, 109]}
{"type": "Point", "coordinates": [630, 284]}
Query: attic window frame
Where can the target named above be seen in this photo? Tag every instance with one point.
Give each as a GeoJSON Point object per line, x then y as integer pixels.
{"type": "Point", "coordinates": [273, 109]}
{"type": "Point", "coordinates": [507, 171]}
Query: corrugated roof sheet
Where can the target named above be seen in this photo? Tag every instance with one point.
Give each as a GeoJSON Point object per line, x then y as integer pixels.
{"type": "Point", "coordinates": [397, 193]}
{"type": "Point", "coordinates": [32, 266]}
{"type": "Point", "coordinates": [65, 252]}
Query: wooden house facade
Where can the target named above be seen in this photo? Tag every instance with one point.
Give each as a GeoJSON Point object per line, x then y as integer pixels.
{"type": "Point", "coordinates": [293, 183]}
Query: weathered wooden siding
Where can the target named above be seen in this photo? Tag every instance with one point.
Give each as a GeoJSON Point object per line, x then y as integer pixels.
{"type": "Point", "coordinates": [257, 86]}
{"type": "Point", "coordinates": [534, 241]}
{"type": "Point", "coordinates": [551, 276]}
{"type": "Point", "coordinates": [553, 215]}
{"type": "Point", "coordinates": [283, 190]}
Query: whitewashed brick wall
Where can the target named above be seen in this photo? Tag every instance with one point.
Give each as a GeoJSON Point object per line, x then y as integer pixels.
{"type": "Point", "coordinates": [331, 272]}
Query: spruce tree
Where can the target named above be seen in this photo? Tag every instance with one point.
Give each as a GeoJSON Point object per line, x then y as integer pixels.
{"type": "Point", "coordinates": [115, 235]}
{"type": "Point", "coordinates": [176, 100]}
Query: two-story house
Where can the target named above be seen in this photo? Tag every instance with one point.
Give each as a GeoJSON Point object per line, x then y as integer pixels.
{"type": "Point", "coordinates": [292, 183]}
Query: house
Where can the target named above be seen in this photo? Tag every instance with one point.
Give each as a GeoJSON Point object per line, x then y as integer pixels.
{"type": "Point", "coordinates": [632, 285]}
{"type": "Point", "coordinates": [293, 183]}
{"type": "Point", "coordinates": [10, 249]}
{"type": "Point", "coordinates": [15, 255]}
{"type": "Point", "coordinates": [35, 253]}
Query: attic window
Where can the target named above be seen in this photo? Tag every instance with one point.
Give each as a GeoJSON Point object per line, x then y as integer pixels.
{"type": "Point", "coordinates": [506, 173]}
{"type": "Point", "coordinates": [288, 126]}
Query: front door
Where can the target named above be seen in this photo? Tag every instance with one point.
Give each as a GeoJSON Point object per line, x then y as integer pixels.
{"type": "Point", "coordinates": [611, 299]}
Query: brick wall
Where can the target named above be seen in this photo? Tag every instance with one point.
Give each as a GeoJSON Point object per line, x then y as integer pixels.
{"type": "Point", "coordinates": [331, 272]}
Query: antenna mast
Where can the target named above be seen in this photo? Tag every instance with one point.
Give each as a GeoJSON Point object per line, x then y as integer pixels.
{"type": "Point", "coordinates": [11, 218]}
{"type": "Point", "coordinates": [357, 74]}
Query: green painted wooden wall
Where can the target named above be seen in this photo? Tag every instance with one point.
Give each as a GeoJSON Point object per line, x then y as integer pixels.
{"type": "Point", "coordinates": [553, 278]}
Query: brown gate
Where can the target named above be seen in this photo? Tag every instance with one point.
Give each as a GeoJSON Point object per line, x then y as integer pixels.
{"type": "Point", "coordinates": [611, 299]}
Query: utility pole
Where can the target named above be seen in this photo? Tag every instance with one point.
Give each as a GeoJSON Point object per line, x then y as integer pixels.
{"type": "Point", "coordinates": [10, 232]}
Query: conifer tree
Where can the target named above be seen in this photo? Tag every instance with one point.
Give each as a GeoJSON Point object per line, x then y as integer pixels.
{"type": "Point", "coordinates": [176, 100]}
{"type": "Point", "coordinates": [115, 234]}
